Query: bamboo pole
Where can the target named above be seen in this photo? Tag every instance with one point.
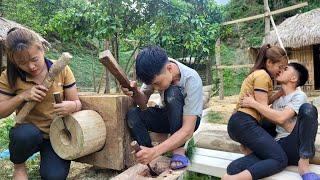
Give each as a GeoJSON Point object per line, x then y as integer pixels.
{"type": "Point", "coordinates": [220, 72]}
{"type": "Point", "coordinates": [263, 15]}
{"type": "Point", "coordinates": [235, 66]}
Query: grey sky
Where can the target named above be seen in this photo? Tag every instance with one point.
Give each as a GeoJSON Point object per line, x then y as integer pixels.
{"type": "Point", "coordinates": [222, 2]}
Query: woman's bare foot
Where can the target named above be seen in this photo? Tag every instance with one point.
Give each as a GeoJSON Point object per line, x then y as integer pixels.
{"type": "Point", "coordinates": [20, 172]}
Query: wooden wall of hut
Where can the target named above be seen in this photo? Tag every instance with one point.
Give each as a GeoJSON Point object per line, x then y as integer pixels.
{"type": "Point", "coordinates": [304, 55]}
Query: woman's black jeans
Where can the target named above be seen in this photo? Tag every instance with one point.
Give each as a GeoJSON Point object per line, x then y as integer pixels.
{"type": "Point", "coordinates": [268, 157]}
{"type": "Point", "coordinates": [299, 144]}
{"type": "Point", "coordinates": [27, 139]}
{"type": "Point", "coordinates": [159, 120]}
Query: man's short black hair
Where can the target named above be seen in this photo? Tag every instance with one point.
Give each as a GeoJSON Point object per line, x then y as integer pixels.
{"type": "Point", "coordinates": [302, 73]}
{"type": "Point", "coordinates": [149, 63]}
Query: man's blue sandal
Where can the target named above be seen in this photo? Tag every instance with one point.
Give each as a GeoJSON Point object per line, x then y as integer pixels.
{"type": "Point", "coordinates": [310, 176]}
{"type": "Point", "coordinates": [179, 158]}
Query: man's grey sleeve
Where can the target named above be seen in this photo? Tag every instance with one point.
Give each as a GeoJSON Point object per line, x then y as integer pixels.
{"type": "Point", "coordinates": [194, 96]}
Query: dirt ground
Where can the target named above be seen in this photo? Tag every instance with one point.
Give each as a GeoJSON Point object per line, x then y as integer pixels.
{"type": "Point", "coordinates": [81, 171]}
{"type": "Point", "coordinates": [224, 107]}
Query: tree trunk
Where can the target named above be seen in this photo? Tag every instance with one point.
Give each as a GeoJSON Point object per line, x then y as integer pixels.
{"type": "Point", "coordinates": [93, 73]}
{"type": "Point", "coordinates": [115, 53]}
{"type": "Point", "coordinates": [209, 71]}
{"type": "Point", "coordinates": [107, 87]}
{"type": "Point", "coordinates": [220, 71]}
{"type": "Point", "coordinates": [134, 72]}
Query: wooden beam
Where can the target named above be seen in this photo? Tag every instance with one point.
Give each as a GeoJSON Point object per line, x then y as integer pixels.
{"type": "Point", "coordinates": [267, 14]}
{"type": "Point", "coordinates": [235, 66]}
{"type": "Point", "coordinates": [116, 153]}
{"type": "Point", "coordinates": [215, 163]}
{"type": "Point", "coordinates": [220, 140]}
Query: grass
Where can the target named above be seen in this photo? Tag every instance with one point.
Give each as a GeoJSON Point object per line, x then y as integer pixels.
{"type": "Point", "coordinates": [215, 117]}
{"type": "Point", "coordinates": [7, 167]}
{"type": "Point", "coordinates": [32, 166]}
{"type": "Point", "coordinates": [232, 80]}
{"type": "Point", "coordinates": [198, 176]}
{"type": "Point", "coordinates": [5, 127]}
{"type": "Point", "coordinates": [85, 63]}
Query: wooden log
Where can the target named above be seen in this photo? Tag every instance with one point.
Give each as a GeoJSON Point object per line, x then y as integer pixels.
{"type": "Point", "coordinates": [220, 140]}
{"type": "Point", "coordinates": [141, 172]}
{"type": "Point", "coordinates": [55, 69]}
{"type": "Point", "coordinates": [116, 154]}
{"type": "Point", "coordinates": [215, 163]}
{"type": "Point", "coordinates": [107, 59]}
{"type": "Point", "coordinates": [88, 134]}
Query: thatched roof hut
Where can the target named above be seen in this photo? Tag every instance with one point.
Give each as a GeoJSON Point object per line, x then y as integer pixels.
{"type": "Point", "coordinates": [298, 31]}
{"type": "Point", "coordinates": [5, 25]}
{"type": "Point", "coordinates": [300, 35]}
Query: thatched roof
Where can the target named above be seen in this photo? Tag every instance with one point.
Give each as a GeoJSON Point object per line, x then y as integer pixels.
{"type": "Point", "coordinates": [299, 30]}
{"type": "Point", "coordinates": [6, 24]}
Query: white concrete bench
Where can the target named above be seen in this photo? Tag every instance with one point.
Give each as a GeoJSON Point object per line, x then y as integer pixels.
{"type": "Point", "coordinates": [214, 163]}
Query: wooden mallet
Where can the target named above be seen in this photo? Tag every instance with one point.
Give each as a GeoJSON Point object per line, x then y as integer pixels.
{"type": "Point", "coordinates": [107, 59]}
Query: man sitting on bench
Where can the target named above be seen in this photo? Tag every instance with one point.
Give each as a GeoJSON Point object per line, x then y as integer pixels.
{"type": "Point", "coordinates": [180, 88]}
{"type": "Point", "coordinates": [295, 124]}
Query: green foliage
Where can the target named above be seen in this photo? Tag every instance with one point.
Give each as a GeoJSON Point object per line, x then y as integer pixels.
{"type": "Point", "coordinates": [31, 13]}
{"type": "Point", "coordinates": [193, 175]}
{"type": "Point", "coordinates": [5, 127]}
{"type": "Point", "coordinates": [81, 63]}
{"type": "Point", "coordinates": [232, 80]}
{"type": "Point", "coordinates": [33, 165]}
{"type": "Point", "coordinates": [253, 31]}
{"type": "Point", "coordinates": [190, 149]}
